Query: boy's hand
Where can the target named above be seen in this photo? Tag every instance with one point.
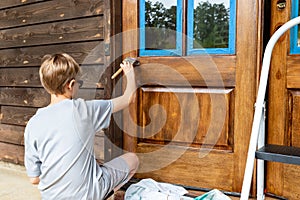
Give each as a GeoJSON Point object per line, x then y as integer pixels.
{"type": "Point", "coordinates": [126, 67]}
{"type": "Point", "coordinates": [34, 180]}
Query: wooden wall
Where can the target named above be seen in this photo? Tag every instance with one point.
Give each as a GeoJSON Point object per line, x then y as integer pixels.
{"type": "Point", "coordinates": [29, 29]}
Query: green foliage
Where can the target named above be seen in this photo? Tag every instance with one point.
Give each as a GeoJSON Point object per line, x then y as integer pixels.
{"type": "Point", "coordinates": [211, 25]}
{"type": "Point", "coordinates": [160, 26]}
{"type": "Point", "coordinates": [158, 16]}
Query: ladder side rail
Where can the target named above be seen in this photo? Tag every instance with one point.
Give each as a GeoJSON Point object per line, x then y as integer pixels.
{"type": "Point", "coordinates": [259, 105]}
{"type": "Point", "coordinates": [261, 163]}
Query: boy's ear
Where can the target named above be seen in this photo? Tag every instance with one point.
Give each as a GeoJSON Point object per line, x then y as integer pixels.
{"type": "Point", "coordinates": [71, 84]}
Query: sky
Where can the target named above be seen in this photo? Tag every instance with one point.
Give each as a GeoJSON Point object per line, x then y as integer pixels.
{"type": "Point", "coordinates": [169, 3]}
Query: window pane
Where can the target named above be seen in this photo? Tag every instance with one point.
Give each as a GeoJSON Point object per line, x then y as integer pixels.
{"type": "Point", "coordinates": [211, 24]}
{"type": "Point", "coordinates": [160, 24]}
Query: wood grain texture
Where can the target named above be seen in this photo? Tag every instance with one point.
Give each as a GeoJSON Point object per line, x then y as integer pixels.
{"type": "Point", "coordinates": [238, 72]}
{"type": "Point", "coordinates": [291, 179]}
{"type": "Point", "coordinates": [12, 153]}
{"type": "Point", "coordinates": [49, 11]}
{"type": "Point", "coordinates": [130, 48]}
{"type": "Point", "coordinates": [11, 134]}
{"type": "Point", "coordinates": [16, 115]}
{"type": "Point", "coordinates": [130, 28]}
{"type": "Point", "coordinates": [38, 97]}
{"type": "Point", "coordinates": [209, 71]}
{"type": "Point", "coordinates": [33, 97]}
{"type": "Point", "coordinates": [4, 4]}
{"type": "Point", "coordinates": [92, 75]}
{"type": "Point", "coordinates": [27, 77]}
{"type": "Point", "coordinates": [293, 135]}
{"type": "Point", "coordinates": [278, 100]}
{"type": "Point", "coordinates": [212, 171]}
{"type": "Point", "coordinates": [293, 72]}
{"type": "Point", "coordinates": [189, 117]}
{"type": "Point", "coordinates": [83, 53]}
{"type": "Point", "coordinates": [86, 29]}
{"type": "Point", "coordinates": [247, 56]}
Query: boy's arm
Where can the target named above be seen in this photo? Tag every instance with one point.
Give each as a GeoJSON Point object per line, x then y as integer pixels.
{"type": "Point", "coordinates": [34, 180]}
{"type": "Point", "coordinates": [123, 101]}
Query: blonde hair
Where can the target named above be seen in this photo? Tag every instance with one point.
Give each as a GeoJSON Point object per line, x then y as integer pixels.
{"type": "Point", "coordinates": [56, 71]}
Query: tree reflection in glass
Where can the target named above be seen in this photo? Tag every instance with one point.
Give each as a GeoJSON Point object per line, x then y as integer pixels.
{"type": "Point", "coordinates": [211, 24]}
{"type": "Point", "coordinates": [160, 24]}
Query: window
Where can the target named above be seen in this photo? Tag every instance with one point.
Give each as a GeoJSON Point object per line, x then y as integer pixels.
{"type": "Point", "coordinates": [160, 27]}
{"type": "Point", "coordinates": [210, 27]}
{"type": "Point", "coordinates": [295, 33]}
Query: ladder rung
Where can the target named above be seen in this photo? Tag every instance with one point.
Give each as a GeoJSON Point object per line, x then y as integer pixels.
{"type": "Point", "coordinates": [279, 153]}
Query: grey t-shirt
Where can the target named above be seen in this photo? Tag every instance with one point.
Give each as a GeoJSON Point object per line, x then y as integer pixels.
{"type": "Point", "coordinates": [59, 142]}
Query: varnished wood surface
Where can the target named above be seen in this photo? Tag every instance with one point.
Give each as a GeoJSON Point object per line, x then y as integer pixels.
{"type": "Point", "coordinates": [238, 73]}
{"type": "Point", "coordinates": [247, 68]}
{"type": "Point", "coordinates": [189, 114]}
{"type": "Point", "coordinates": [277, 99]}
{"type": "Point", "coordinates": [293, 72]}
{"type": "Point", "coordinates": [206, 172]}
{"type": "Point", "coordinates": [209, 71]}
{"type": "Point", "coordinates": [293, 129]}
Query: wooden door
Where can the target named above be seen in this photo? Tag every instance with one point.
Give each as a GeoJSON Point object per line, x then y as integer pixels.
{"type": "Point", "coordinates": [191, 119]}
{"type": "Point", "coordinates": [284, 104]}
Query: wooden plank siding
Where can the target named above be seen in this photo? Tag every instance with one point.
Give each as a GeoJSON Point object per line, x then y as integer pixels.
{"type": "Point", "coordinates": [29, 29]}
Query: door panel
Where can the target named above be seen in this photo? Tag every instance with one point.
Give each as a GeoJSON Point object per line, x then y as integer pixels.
{"type": "Point", "coordinates": [188, 117]}
{"type": "Point", "coordinates": [193, 114]}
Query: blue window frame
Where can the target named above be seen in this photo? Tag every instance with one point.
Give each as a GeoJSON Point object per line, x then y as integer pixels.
{"type": "Point", "coordinates": [156, 14]}
{"type": "Point", "coordinates": [230, 31]}
{"type": "Point", "coordinates": [294, 45]}
{"type": "Point", "coordinates": [145, 50]}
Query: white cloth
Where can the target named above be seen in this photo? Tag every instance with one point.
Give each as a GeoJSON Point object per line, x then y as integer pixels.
{"type": "Point", "coordinates": [148, 189]}
{"type": "Point", "coordinates": [213, 195]}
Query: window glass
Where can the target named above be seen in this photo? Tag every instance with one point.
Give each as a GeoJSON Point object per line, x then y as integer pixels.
{"type": "Point", "coordinates": [210, 27]}
{"type": "Point", "coordinates": [213, 26]}
{"type": "Point", "coordinates": [160, 24]}
{"type": "Point", "coordinates": [160, 27]}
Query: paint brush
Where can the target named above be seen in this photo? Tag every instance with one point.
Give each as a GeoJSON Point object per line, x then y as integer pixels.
{"type": "Point", "coordinates": [132, 61]}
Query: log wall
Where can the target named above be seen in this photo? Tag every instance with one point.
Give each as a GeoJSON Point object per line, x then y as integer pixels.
{"type": "Point", "coordinates": [29, 29]}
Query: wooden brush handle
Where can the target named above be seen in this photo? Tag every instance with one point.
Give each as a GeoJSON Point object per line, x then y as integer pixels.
{"type": "Point", "coordinates": [116, 73]}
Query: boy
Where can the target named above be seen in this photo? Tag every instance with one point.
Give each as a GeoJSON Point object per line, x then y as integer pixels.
{"type": "Point", "coordinates": [59, 138]}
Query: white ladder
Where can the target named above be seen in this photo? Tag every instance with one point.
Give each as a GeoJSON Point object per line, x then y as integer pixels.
{"type": "Point", "coordinates": [257, 139]}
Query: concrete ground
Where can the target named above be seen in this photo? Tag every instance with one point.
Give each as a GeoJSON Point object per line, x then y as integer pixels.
{"type": "Point", "coordinates": [14, 183]}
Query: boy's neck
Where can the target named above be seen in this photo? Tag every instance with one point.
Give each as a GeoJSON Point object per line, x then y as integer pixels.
{"type": "Point", "coordinates": [56, 98]}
